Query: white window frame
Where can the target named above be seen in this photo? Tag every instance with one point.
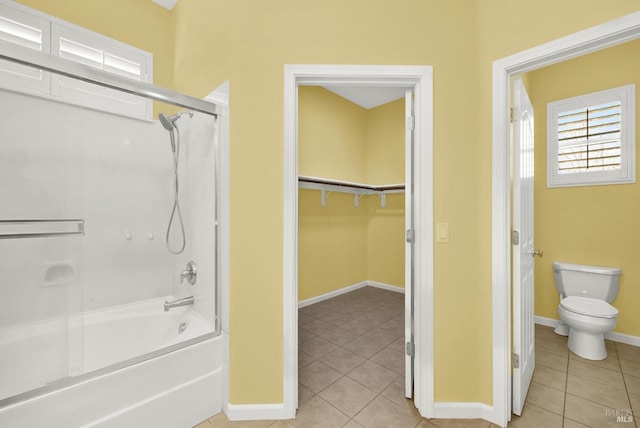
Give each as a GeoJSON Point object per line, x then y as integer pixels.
{"type": "Point", "coordinates": [25, 78]}
{"type": "Point", "coordinates": [68, 90]}
{"type": "Point", "coordinates": [626, 174]}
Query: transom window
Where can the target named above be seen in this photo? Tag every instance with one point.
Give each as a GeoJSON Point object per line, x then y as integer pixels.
{"type": "Point", "coordinates": [591, 139]}
{"type": "Point", "coordinates": [29, 28]}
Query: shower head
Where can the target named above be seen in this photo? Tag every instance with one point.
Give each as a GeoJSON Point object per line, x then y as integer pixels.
{"type": "Point", "coordinates": [168, 122]}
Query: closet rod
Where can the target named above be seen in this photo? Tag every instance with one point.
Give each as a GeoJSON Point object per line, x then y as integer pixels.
{"type": "Point", "coordinates": [317, 180]}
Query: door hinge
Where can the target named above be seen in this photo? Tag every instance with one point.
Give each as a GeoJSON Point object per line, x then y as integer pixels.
{"type": "Point", "coordinates": [410, 236]}
{"type": "Point", "coordinates": [411, 122]}
{"type": "Point", "coordinates": [513, 114]}
{"type": "Point", "coordinates": [516, 361]}
{"type": "Point", "coordinates": [515, 237]}
{"type": "Point", "coordinates": [411, 349]}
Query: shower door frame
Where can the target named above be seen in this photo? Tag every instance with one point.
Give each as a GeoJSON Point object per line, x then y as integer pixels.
{"type": "Point", "coordinates": [64, 67]}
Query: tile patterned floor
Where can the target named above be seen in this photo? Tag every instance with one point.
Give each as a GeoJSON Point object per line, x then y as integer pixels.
{"type": "Point", "coordinates": [570, 392]}
{"type": "Point", "coordinates": [351, 367]}
{"type": "Point", "coordinates": [351, 375]}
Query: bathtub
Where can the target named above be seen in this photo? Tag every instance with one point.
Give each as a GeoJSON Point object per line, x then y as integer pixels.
{"type": "Point", "coordinates": [113, 383]}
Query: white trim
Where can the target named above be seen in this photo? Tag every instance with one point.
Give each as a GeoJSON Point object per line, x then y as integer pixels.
{"type": "Point", "coordinates": [602, 36]}
{"type": "Point", "coordinates": [384, 286]}
{"type": "Point", "coordinates": [420, 78]}
{"type": "Point", "coordinates": [623, 338]}
{"type": "Point", "coordinates": [331, 294]}
{"type": "Point", "coordinates": [547, 322]}
{"type": "Point", "coordinates": [626, 96]}
{"type": "Point", "coordinates": [256, 412]}
{"type": "Point", "coordinates": [220, 96]}
{"type": "Point", "coordinates": [612, 335]}
{"type": "Point", "coordinates": [463, 410]}
{"type": "Point", "coordinates": [347, 289]}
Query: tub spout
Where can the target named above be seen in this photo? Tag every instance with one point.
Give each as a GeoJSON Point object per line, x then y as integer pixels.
{"type": "Point", "coordinates": [180, 302]}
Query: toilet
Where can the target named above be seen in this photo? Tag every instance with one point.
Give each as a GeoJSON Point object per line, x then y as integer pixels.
{"type": "Point", "coordinates": [585, 312]}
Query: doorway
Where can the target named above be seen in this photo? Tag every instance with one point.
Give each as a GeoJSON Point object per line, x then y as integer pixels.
{"type": "Point", "coordinates": [609, 34]}
{"type": "Point", "coordinates": [419, 80]}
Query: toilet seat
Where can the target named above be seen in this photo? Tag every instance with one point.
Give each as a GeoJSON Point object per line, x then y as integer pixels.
{"type": "Point", "coordinates": [588, 306]}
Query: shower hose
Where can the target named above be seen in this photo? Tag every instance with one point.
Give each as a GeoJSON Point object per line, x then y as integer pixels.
{"type": "Point", "coordinates": [175, 149]}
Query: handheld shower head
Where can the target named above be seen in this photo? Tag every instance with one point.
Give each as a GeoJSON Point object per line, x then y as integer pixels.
{"type": "Point", "coordinates": [168, 122]}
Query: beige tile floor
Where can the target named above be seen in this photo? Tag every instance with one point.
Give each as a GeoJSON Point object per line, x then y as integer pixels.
{"type": "Point", "coordinates": [351, 374]}
{"type": "Point", "coordinates": [351, 367]}
{"type": "Point", "coordinates": [570, 392]}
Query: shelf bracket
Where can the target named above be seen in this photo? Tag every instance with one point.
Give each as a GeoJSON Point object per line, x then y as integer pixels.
{"type": "Point", "coordinates": [356, 199]}
{"type": "Point", "coordinates": [383, 200]}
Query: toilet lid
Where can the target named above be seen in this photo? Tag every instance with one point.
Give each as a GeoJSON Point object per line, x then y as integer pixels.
{"type": "Point", "coordinates": [589, 306]}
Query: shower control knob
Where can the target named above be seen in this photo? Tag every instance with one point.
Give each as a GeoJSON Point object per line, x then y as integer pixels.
{"type": "Point", "coordinates": [190, 273]}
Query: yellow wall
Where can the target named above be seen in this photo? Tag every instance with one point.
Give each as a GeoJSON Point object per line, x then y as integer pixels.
{"type": "Point", "coordinates": [332, 240]}
{"type": "Point", "coordinates": [593, 225]}
{"type": "Point", "coordinates": [461, 39]}
{"type": "Point", "coordinates": [249, 42]}
{"type": "Point", "coordinates": [385, 126]}
{"type": "Point", "coordinates": [331, 136]}
{"type": "Point", "coordinates": [385, 165]}
{"type": "Point", "coordinates": [385, 240]}
{"type": "Point", "coordinates": [340, 244]}
{"type": "Point", "coordinates": [332, 243]}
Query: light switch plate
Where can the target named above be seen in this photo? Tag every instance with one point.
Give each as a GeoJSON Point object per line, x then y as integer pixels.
{"type": "Point", "coordinates": [442, 233]}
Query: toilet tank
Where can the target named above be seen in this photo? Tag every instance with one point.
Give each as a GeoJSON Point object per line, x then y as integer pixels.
{"type": "Point", "coordinates": [587, 281]}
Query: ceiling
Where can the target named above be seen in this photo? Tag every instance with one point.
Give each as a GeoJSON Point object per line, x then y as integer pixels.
{"type": "Point", "coordinates": [368, 96]}
{"type": "Point", "coordinates": [167, 4]}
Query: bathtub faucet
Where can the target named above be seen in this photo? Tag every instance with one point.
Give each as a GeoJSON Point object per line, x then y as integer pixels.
{"type": "Point", "coordinates": [180, 302]}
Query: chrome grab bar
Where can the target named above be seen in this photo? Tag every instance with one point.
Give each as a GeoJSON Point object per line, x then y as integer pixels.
{"type": "Point", "coordinates": [40, 228]}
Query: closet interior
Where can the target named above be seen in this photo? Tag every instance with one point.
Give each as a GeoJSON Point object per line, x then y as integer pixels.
{"type": "Point", "coordinates": [351, 247]}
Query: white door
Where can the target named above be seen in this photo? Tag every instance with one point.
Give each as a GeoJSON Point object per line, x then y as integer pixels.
{"type": "Point", "coordinates": [523, 250]}
{"type": "Point", "coordinates": [408, 255]}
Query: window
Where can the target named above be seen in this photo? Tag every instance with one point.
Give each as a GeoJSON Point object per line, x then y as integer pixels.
{"type": "Point", "coordinates": [29, 31]}
{"type": "Point", "coordinates": [32, 29]}
{"type": "Point", "coordinates": [591, 139]}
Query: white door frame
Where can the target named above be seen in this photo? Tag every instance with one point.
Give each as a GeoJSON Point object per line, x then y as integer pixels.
{"type": "Point", "coordinates": [609, 34]}
{"type": "Point", "coordinates": [421, 79]}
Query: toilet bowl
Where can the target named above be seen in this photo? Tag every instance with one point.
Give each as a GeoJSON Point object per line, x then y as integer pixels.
{"type": "Point", "coordinates": [588, 320]}
{"type": "Point", "coordinates": [585, 312]}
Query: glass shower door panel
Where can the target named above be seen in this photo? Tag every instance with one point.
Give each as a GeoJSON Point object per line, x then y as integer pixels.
{"type": "Point", "coordinates": [41, 291]}
{"type": "Point", "coordinates": [199, 175]}
{"type": "Point", "coordinates": [40, 313]}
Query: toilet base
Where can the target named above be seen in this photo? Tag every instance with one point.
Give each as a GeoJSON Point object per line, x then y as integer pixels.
{"type": "Point", "coordinates": [561, 329]}
{"type": "Point", "coordinates": [589, 346]}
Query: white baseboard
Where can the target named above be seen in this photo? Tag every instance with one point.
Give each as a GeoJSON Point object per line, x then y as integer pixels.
{"type": "Point", "coordinates": [329, 295]}
{"type": "Point", "coordinates": [470, 410]}
{"type": "Point", "coordinates": [616, 337]}
{"type": "Point", "coordinates": [255, 412]}
{"type": "Point", "coordinates": [547, 322]}
{"type": "Point", "coordinates": [385, 286]}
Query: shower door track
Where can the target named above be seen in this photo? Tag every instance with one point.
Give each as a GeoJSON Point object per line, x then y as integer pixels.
{"type": "Point", "coordinates": [72, 380]}
{"type": "Point", "coordinates": [65, 67]}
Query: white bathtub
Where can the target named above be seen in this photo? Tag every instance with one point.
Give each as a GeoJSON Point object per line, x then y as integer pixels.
{"type": "Point", "coordinates": [179, 388]}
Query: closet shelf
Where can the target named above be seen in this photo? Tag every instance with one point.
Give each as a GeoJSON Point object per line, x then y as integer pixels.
{"type": "Point", "coordinates": [358, 189]}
